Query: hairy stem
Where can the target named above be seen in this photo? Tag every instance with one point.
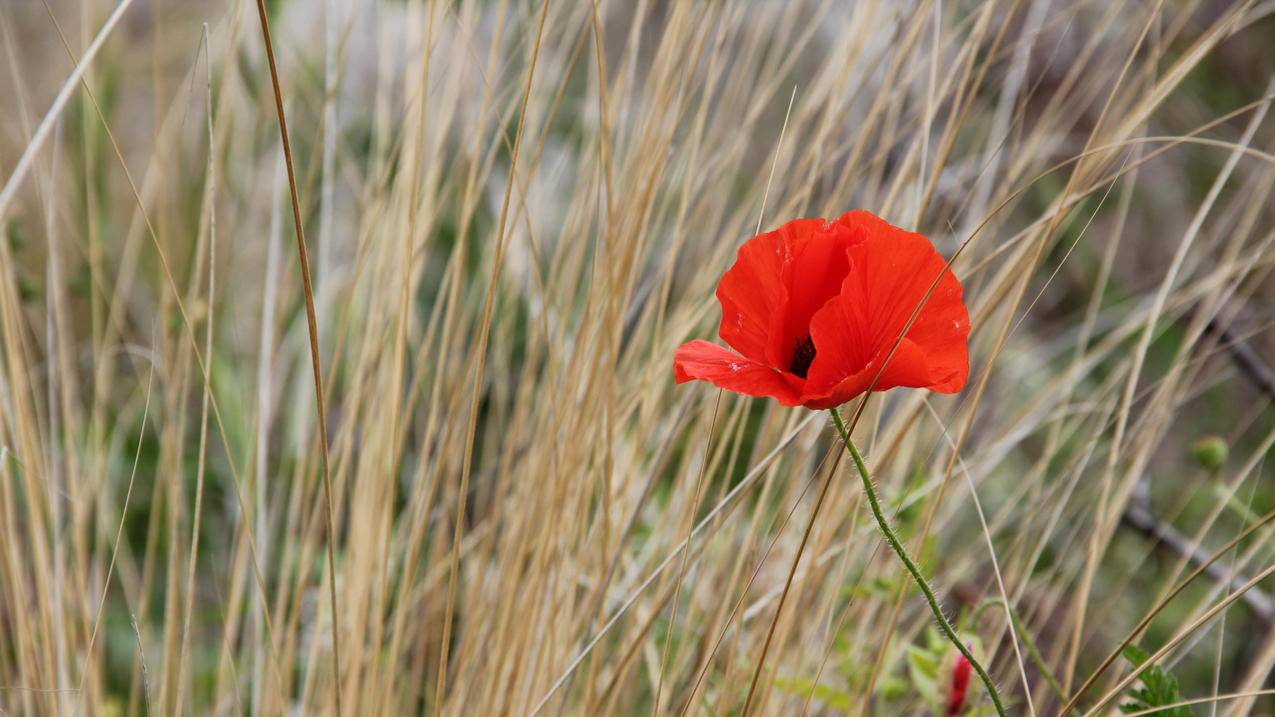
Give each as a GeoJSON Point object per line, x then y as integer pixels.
{"type": "Point", "coordinates": [908, 563]}
{"type": "Point", "coordinates": [1033, 652]}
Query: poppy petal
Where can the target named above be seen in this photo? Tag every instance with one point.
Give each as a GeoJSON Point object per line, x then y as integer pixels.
{"type": "Point", "coordinates": [813, 278]}
{"type": "Point", "coordinates": [752, 293]}
{"type": "Point", "coordinates": [779, 280]}
{"type": "Point", "coordinates": [700, 360]}
{"type": "Point", "coordinates": [907, 367]}
{"type": "Point", "coordinates": [889, 275]}
{"type": "Point", "coordinates": [865, 224]}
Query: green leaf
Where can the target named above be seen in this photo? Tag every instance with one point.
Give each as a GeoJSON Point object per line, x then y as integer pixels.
{"type": "Point", "coordinates": [1159, 689]}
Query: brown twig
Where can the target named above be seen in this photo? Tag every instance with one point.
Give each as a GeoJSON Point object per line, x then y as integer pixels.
{"type": "Point", "coordinates": [1245, 358]}
{"type": "Point", "coordinates": [1138, 515]}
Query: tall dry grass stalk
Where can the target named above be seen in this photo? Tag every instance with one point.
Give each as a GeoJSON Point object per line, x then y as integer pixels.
{"type": "Point", "coordinates": [518, 210]}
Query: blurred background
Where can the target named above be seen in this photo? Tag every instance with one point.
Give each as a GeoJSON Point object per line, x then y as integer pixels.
{"type": "Point", "coordinates": [514, 211]}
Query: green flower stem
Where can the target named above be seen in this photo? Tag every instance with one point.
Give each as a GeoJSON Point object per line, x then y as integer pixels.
{"type": "Point", "coordinates": [893, 540]}
{"type": "Point", "coordinates": [1032, 651]}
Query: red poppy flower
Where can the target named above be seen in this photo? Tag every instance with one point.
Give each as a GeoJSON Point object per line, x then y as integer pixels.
{"type": "Point", "coordinates": [814, 308]}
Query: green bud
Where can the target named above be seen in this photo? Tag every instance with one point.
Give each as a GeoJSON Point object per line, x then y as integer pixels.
{"type": "Point", "coordinates": [1210, 452]}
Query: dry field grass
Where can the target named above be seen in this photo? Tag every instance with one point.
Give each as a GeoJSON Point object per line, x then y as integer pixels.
{"type": "Point", "coordinates": [515, 211]}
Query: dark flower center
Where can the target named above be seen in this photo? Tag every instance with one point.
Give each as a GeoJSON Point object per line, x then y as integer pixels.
{"type": "Point", "coordinates": [802, 355]}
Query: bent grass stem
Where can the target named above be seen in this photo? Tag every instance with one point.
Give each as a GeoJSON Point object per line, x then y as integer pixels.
{"type": "Point", "coordinates": [908, 563]}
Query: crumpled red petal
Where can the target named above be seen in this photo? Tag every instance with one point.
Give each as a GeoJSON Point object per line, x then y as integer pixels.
{"type": "Point", "coordinates": [888, 277]}
{"type": "Point", "coordinates": [779, 280]}
{"type": "Point", "coordinates": [704, 361]}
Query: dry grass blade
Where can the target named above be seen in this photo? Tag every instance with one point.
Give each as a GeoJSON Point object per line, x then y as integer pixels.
{"type": "Point", "coordinates": [315, 363]}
